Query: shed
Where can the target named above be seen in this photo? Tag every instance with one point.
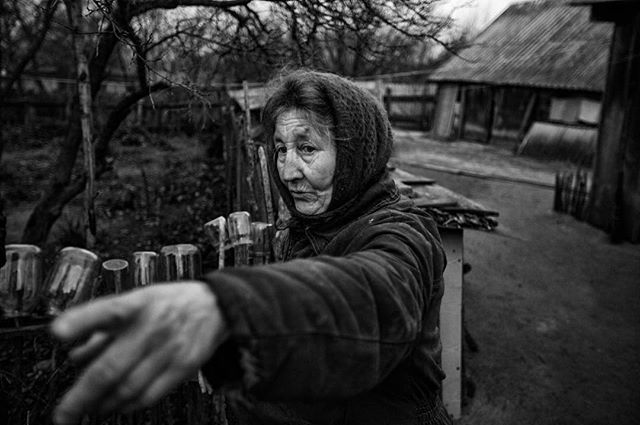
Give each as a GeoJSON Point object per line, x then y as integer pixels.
{"type": "Point", "coordinates": [538, 61]}
{"type": "Point", "coordinates": [615, 200]}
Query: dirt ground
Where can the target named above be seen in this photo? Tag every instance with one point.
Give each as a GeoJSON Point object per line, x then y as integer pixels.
{"type": "Point", "coordinates": [551, 303]}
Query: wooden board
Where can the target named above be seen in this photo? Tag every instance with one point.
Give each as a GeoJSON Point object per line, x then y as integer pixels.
{"type": "Point", "coordinates": [435, 194]}
{"type": "Point", "coordinates": [434, 202]}
{"type": "Point", "coordinates": [409, 179]}
{"type": "Point", "coordinates": [451, 321]}
{"type": "Point", "coordinates": [443, 121]}
{"type": "Point", "coordinates": [419, 181]}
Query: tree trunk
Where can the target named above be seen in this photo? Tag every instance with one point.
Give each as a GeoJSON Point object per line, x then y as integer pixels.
{"type": "Point", "coordinates": [3, 232]}
{"type": "Point", "coordinates": [55, 195]}
{"type": "Point", "coordinates": [80, 43]}
{"type": "Point", "coordinates": [60, 190]}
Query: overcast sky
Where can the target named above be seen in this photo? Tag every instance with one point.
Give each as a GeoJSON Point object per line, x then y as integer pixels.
{"type": "Point", "coordinates": [478, 13]}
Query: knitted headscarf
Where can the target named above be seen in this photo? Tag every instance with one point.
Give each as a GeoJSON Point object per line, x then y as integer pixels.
{"type": "Point", "coordinates": [359, 123]}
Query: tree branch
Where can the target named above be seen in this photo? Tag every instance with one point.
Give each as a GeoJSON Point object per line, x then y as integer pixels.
{"type": "Point", "coordinates": [138, 50]}
{"type": "Point", "coordinates": [49, 11]}
{"type": "Point", "coordinates": [142, 6]}
{"type": "Point", "coordinates": [118, 114]}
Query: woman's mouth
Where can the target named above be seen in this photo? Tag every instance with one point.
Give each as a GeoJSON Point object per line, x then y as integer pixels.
{"type": "Point", "coordinates": [302, 195]}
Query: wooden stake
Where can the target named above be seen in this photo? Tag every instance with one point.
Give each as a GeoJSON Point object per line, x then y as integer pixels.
{"type": "Point", "coordinates": [216, 231]}
{"type": "Point", "coordinates": [266, 185]}
{"type": "Point", "coordinates": [262, 236]}
{"type": "Point", "coordinates": [380, 91]}
{"type": "Point", "coordinates": [239, 225]}
{"type": "Point", "coordinates": [247, 106]}
{"type": "Point", "coordinates": [251, 151]}
{"type": "Point", "coordinates": [239, 170]}
{"type": "Point", "coordinates": [228, 138]}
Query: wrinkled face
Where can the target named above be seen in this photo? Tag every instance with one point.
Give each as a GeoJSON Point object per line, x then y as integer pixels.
{"type": "Point", "coordinates": [306, 161]}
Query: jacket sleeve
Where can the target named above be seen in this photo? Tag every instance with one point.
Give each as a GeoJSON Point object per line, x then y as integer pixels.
{"type": "Point", "coordinates": [328, 327]}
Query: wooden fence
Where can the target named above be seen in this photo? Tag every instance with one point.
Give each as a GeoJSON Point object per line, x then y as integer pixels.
{"type": "Point", "coordinates": [171, 112]}
{"type": "Point", "coordinates": [573, 192]}
{"type": "Point", "coordinates": [414, 111]}
{"type": "Point", "coordinates": [409, 105]}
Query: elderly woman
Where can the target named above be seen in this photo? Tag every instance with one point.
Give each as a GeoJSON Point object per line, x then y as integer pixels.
{"type": "Point", "coordinates": [344, 331]}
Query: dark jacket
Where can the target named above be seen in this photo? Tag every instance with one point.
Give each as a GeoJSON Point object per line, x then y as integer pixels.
{"type": "Point", "coordinates": [346, 329]}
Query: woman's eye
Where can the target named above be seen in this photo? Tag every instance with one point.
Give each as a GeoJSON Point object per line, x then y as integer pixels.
{"type": "Point", "coordinates": [280, 150]}
{"type": "Point", "coordinates": [307, 149]}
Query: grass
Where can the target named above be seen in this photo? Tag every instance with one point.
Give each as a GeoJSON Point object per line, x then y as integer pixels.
{"type": "Point", "coordinates": [161, 190]}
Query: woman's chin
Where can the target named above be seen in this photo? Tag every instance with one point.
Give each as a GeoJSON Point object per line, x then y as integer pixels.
{"type": "Point", "coordinates": [309, 208]}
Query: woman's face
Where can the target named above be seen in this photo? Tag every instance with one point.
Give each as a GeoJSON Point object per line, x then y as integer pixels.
{"type": "Point", "coordinates": [306, 161]}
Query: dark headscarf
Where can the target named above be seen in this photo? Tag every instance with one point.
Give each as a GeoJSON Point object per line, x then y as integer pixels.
{"type": "Point", "coordinates": [360, 126]}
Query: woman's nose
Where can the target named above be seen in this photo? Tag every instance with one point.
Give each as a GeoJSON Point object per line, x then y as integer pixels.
{"type": "Point", "coordinates": [291, 168]}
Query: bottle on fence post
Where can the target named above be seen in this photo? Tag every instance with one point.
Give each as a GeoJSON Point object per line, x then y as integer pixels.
{"type": "Point", "coordinates": [145, 268]}
{"type": "Point", "coordinates": [180, 262]}
{"type": "Point", "coordinates": [20, 280]}
{"type": "Point", "coordinates": [239, 225]}
{"type": "Point", "coordinates": [71, 281]}
{"type": "Point", "coordinates": [115, 276]}
{"type": "Point", "coordinates": [262, 236]}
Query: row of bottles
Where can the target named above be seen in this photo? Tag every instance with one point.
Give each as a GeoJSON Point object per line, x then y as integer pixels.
{"type": "Point", "coordinates": [78, 275]}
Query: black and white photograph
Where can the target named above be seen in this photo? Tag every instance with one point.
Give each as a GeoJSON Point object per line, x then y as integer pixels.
{"type": "Point", "coordinates": [318, 212]}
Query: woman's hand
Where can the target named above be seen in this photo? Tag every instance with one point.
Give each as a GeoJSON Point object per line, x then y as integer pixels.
{"type": "Point", "coordinates": [139, 345]}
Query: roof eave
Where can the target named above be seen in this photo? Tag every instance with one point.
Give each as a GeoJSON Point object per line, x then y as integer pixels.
{"type": "Point", "coordinates": [514, 84]}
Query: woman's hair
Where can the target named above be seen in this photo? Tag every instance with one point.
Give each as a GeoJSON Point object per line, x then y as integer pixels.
{"type": "Point", "coordinates": [303, 95]}
{"type": "Point", "coordinates": [356, 120]}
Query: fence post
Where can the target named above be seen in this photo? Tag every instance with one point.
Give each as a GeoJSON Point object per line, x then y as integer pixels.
{"type": "Point", "coordinates": [139, 113]}
{"type": "Point", "coordinates": [380, 90]}
{"type": "Point", "coordinates": [387, 101]}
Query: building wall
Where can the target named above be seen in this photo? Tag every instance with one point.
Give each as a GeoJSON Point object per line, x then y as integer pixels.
{"type": "Point", "coordinates": [502, 115]}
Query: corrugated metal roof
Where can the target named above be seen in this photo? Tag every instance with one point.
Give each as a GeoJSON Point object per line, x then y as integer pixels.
{"type": "Point", "coordinates": [538, 43]}
{"type": "Point", "coordinates": [582, 2]}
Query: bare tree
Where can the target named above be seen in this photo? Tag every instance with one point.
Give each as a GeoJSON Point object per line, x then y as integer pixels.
{"type": "Point", "coordinates": [360, 37]}
{"type": "Point", "coordinates": [354, 37]}
{"type": "Point", "coordinates": [29, 26]}
{"type": "Point", "coordinates": [117, 17]}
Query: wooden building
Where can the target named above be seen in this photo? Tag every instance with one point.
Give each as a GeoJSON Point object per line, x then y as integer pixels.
{"type": "Point", "coordinates": [539, 61]}
{"type": "Point", "coordinates": [615, 200]}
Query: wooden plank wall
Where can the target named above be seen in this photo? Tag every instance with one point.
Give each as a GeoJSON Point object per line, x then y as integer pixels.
{"type": "Point", "coordinates": [615, 205]}
{"type": "Point", "coordinates": [445, 110]}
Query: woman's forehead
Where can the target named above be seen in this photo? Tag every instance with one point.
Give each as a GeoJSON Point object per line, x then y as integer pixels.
{"type": "Point", "coordinates": [293, 117]}
{"type": "Point", "coordinates": [295, 123]}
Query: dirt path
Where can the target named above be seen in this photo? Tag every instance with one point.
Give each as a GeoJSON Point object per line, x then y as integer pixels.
{"type": "Point", "coordinates": [551, 303]}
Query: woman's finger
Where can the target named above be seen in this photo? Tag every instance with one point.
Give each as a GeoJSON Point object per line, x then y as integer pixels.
{"type": "Point", "coordinates": [91, 349]}
{"type": "Point", "coordinates": [160, 387]}
{"type": "Point", "coordinates": [103, 375]}
{"type": "Point", "coordinates": [105, 313]}
{"type": "Point", "coordinates": [182, 320]}
{"type": "Point", "coordinates": [130, 389]}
